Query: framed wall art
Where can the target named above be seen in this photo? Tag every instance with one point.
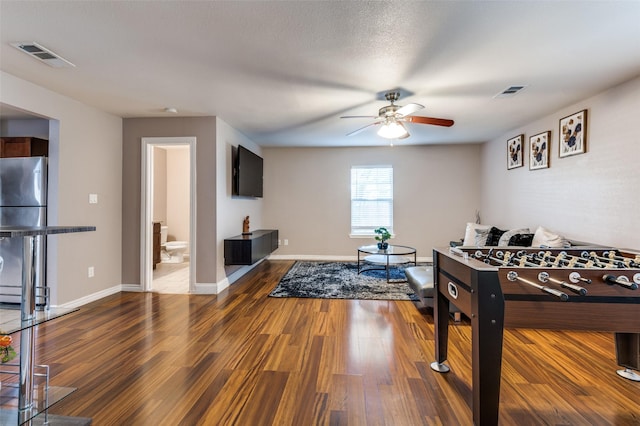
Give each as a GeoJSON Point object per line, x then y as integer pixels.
{"type": "Point", "coordinates": [515, 150]}
{"type": "Point", "coordinates": [539, 150]}
{"type": "Point", "coordinates": [573, 134]}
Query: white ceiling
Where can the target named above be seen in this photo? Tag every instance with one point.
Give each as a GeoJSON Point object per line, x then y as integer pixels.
{"type": "Point", "coordinates": [283, 73]}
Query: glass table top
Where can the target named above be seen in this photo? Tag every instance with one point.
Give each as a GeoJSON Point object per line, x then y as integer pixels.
{"type": "Point", "coordinates": [391, 250]}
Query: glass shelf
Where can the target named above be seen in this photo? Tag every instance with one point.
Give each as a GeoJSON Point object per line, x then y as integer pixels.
{"type": "Point", "coordinates": [44, 396]}
{"type": "Point", "coordinates": [10, 415]}
{"type": "Point", "coordinates": [10, 321]}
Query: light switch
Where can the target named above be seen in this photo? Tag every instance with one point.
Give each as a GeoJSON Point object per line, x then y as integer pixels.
{"type": "Point", "coordinates": [93, 198]}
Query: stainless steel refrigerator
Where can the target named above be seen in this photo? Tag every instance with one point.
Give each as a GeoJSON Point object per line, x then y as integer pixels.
{"type": "Point", "coordinates": [23, 202]}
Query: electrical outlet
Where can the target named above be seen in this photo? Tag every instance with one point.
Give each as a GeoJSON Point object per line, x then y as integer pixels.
{"type": "Point", "coordinates": [93, 198]}
{"type": "Point", "coordinates": [286, 242]}
{"type": "Point", "coordinates": [91, 272]}
{"type": "Point", "coordinates": [279, 243]}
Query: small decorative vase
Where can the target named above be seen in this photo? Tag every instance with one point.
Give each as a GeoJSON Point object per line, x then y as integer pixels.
{"type": "Point", "coordinates": [383, 246]}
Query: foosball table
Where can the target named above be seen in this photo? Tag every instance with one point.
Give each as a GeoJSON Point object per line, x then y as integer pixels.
{"type": "Point", "coordinates": [589, 289]}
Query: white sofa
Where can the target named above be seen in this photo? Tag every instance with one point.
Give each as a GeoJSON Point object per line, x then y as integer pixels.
{"type": "Point", "coordinates": [478, 235]}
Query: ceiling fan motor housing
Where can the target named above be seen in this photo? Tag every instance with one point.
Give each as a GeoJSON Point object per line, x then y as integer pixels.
{"type": "Point", "coordinates": [388, 110]}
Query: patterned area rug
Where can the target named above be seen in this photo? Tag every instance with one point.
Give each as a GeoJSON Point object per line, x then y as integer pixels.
{"type": "Point", "coordinates": [340, 280]}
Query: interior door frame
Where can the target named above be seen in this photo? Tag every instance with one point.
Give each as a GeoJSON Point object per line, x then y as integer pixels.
{"type": "Point", "coordinates": [146, 208]}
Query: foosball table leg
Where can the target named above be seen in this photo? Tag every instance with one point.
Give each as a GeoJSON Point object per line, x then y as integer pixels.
{"type": "Point", "coordinates": [441, 330]}
{"type": "Point", "coordinates": [628, 355]}
{"type": "Point", "coordinates": [440, 367]}
{"type": "Point", "coordinates": [628, 373]}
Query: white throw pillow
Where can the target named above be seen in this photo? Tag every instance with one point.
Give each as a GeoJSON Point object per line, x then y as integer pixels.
{"type": "Point", "coordinates": [504, 238]}
{"type": "Point", "coordinates": [481, 237]}
{"type": "Point", "coordinates": [546, 238]}
{"type": "Point", "coordinates": [470, 233]}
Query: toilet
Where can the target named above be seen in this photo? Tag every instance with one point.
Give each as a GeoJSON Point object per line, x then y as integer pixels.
{"type": "Point", "coordinates": [172, 251]}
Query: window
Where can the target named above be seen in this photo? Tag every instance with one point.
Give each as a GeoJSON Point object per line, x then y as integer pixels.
{"type": "Point", "coordinates": [371, 199]}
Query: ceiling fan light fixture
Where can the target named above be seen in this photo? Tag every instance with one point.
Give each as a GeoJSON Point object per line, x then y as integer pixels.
{"type": "Point", "coordinates": [392, 130]}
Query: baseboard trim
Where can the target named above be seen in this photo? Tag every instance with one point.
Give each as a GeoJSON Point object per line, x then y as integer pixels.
{"type": "Point", "coordinates": [91, 297]}
{"type": "Point", "coordinates": [211, 288]}
{"type": "Point", "coordinates": [131, 287]}
{"type": "Point", "coordinates": [200, 288]}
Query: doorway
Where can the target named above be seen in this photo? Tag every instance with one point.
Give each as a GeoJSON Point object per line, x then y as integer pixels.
{"type": "Point", "coordinates": [176, 214]}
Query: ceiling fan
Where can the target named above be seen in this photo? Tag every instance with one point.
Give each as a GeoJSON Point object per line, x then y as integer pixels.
{"type": "Point", "coordinates": [392, 117]}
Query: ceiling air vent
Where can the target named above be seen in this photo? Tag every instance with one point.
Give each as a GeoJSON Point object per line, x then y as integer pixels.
{"type": "Point", "coordinates": [43, 54]}
{"type": "Point", "coordinates": [510, 91]}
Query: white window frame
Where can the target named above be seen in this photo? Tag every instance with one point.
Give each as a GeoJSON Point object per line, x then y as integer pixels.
{"type": "Point", "coordinates": [366, 231]}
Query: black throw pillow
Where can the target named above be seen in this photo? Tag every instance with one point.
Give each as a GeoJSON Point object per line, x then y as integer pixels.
{"type": "Point", "coordinates": [522, 240]}
{"type": "Point", "coordinates": [494, 236]}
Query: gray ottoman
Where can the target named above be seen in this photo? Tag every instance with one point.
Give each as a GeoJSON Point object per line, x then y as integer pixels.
{"type": "Point", "coordinates": [420, 279]}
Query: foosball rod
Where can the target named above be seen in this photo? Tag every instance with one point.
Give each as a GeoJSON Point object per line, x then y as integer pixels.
{"type": "Point", "coordinates": [480, 254]}
{"type": "Point", "coordinates": [510, 257]}
{"type": "Point", "coordinates": [549, 258]}
{"type": "Point", "coordinates": [513, 276]}
{"type": "Point", "coordinates": [574, 262]}
{"type": "Point", "coordinates": [502, 259]}
{"type": "Point", "coordinates": [631, 262]}
{"type": "Point", "coordinates": [543, 260]}
{"type": "Point", "coordinates": [599, 259]}
{"type": "Point", "coordinates": [544, 277]}
{"type": "Point", "coordinates": [621, 281]}
{"type": "Point", "coordinates": [575, 278]}
{"type": "Point", "coordinates": [577, 261]}
{"type": "Point", "coordinates": [540, 259]}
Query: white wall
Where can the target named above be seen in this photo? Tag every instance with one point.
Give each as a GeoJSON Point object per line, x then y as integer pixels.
{"type": "Point", "coordinates": [87, 159]}
{"type": "Point", "coordinates": [230, 210]}
{"type": "Point", "coordinates": [593, 197]}
{"type": "Point", "coordinates": [308, 190]}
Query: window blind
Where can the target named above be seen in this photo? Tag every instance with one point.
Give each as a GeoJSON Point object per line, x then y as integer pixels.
{"type": "Point", "coordinates": [371, 199]}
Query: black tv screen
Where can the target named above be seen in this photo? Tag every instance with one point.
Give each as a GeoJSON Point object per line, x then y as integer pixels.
{"type": "Point", "coordinates": [247, 174]}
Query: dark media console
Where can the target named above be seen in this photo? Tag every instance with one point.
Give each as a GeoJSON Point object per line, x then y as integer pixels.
{"type": "Point", "coordinates": [248, 249]}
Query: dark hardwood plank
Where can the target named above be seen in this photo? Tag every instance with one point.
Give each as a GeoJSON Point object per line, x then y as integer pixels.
{"type": "Point", "coordinates": [242, 357]}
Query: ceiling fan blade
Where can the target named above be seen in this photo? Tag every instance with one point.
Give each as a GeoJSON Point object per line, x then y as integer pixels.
{"type": "Point", "coordinates": [409, 109]}
{"type": "Point", "coordinates": [362, 128]}
{"type": "Point", "coordinates": [429, 120]}
{"type": "Point", "coordinates": [359, 116]}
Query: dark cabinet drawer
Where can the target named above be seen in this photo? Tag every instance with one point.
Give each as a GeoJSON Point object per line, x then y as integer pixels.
{"type": "Point", "coordinates": [248, 249]}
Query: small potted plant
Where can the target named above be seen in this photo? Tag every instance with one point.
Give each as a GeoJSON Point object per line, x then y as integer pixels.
{"type": "Point", "coordinates": [7, 353]}
{"type": "Point", "coordinates": [382, 235]}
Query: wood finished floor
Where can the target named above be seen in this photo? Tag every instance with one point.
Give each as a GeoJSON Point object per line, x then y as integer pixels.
{"type": "Point", "coordinates": [242, 358]}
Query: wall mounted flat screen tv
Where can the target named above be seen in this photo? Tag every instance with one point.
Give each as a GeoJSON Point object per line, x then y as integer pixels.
{"type": "Point", "coordinates": [247, 173]}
